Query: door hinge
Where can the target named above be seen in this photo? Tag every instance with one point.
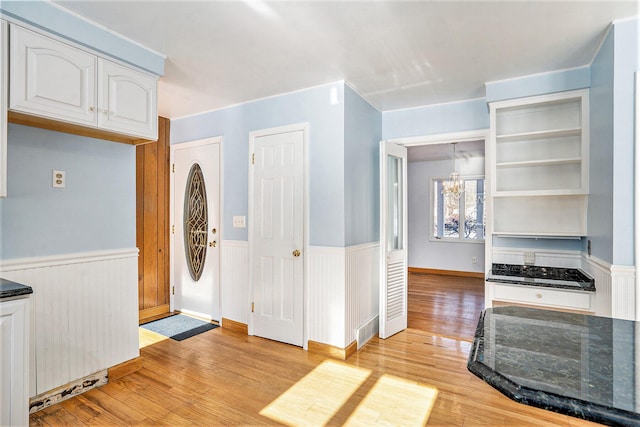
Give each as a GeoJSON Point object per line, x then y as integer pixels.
{"type": "Point", "coordinates": [173, 229]}
{"type": "Point", "coordinates": [173, 290]}
{"type": "Point", "coordinates": [173, 168]}
{"type": "Point", "coordinates": [253, 158]}
{"type": "Point", "coordinates": [252, 306]}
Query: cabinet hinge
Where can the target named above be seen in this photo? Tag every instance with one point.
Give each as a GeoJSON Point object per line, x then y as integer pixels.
{"type": "Point", "coordinates": [173, 168]}
{"type": "Point", "coordinates": [252, 306]}
{"type": "Point", "coordinates": [253, 158]}
{"type": "Point", "coordinates": [173, 229]}
{"type": "Point", "coordinates": [173, 290]}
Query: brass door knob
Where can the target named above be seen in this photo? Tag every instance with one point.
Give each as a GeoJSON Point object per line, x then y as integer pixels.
{"type": "Point", "coordinates": [296, 253]}
{"type": "Point", "coordinates": [213, 244]}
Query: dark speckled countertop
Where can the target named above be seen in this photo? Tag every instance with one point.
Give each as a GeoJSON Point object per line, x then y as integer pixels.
{"type": "Point", "coordinates": [10, 289]}
{"type": "Point", "coordinates": [580, 365]}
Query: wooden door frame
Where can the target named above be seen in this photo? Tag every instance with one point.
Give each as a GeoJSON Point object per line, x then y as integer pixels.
{"type": "Point", "coordinates": [191, 144]}
{"type": "Point", "coordinates": [304, 127]}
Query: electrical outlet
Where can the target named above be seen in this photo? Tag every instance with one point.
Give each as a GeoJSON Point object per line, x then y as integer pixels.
{"type": "Point", "coordinates": [58, 179]}
{"type": "Point", "coordinates": [474, 260]}
{"type": "Point", "coordinates": [529, 258]}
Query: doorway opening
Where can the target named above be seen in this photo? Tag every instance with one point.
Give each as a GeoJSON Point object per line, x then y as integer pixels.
{"type": "Point", "coordinates": [447, 252]}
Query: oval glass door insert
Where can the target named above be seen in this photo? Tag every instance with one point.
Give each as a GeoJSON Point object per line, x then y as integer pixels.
{"type": "Point", "coordinates": [195, 222]}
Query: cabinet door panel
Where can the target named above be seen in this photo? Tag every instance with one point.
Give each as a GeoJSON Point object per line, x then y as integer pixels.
{"type": "Point", "coordinates": [51, 79]}
{"type": "Point", "coordinates": [127, 100]}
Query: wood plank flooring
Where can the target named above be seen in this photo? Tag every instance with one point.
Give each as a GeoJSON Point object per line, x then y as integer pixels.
{"type": "Point", "coordinates": [222, 377]}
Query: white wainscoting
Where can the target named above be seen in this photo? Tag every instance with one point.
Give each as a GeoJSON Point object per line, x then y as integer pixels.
{"type": "Point", "coordinates": [84, 313]}
{"type": "Point", "coordinates": [623, 292]}
{"type": "Point", "coordinates": [234, 280]}
{"type": "Point", "coordinates": [363, 290]}
{"type": "Point", "coordinates": [343, 287]}
{"type": "Point", "coordinates": [601, 272]}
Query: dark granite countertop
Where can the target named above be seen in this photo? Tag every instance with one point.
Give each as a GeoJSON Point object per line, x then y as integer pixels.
{"type": "Point", "coordinates": [547, 277]}
{"type": "Point", "coordinates": [10, 289]}
{"type": "Point", "coordinates": [575, 364]}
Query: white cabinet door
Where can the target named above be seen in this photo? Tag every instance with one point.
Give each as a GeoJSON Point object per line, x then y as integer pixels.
{"type": "Point", "coordinates": [4, 74]}
{"type": "Point", "coordinates": [51, 79]}
{"type": "Point", "coordinates": [14, 362]}
{"type": "Point", "coordinates": [127, 100]}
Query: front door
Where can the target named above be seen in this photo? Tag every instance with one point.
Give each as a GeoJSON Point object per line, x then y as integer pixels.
{"type": "Point", "coordinates": [276, 238]}
{"type": "Point", "coordinates": [196, 228]}
{"type": "Point", "coordinates": [393, 239]}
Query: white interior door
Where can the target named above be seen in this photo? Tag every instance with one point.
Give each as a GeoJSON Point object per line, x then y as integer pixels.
{"type": "Point", "coordinates": [393, 238]}
{"type": "Point", "coordinates": [196, 221]}
{"type": "Point", "coordinates": [277, 236]}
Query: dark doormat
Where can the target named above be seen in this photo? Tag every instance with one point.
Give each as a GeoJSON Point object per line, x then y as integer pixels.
{"type": "Point", "coordinates": [179, 327]}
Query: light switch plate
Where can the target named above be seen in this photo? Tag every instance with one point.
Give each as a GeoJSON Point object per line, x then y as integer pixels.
{"type": "Point", "coordinates": [239, 222]}
{"type": "Point", "coordinates": [58, 179]}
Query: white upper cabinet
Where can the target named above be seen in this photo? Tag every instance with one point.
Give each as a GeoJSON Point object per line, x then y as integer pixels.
{"type": "Point", "coordinates": [52, 79]}
{"type": "Point", "coordinates": [128, 100]}
{"type": "Point", "coordinates": [56, 81]}
{"type": "Point", "coordinates": [540, 164]}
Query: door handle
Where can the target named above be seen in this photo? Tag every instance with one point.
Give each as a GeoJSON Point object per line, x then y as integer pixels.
{"type": "Point", "coordinates": [213, 244]}
{"type": "Point", "coordinates": [296, 253]}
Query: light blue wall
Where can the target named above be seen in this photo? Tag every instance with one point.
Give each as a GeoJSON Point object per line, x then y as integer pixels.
{"type": "Point", "coordinates": [626, 58]}
{"type": "Point", "coordinates": [46, 16]}
{"type": "Point", "coordinates": [434, 119]}
{"type": "Point", "coordinates": [362, 136]}
{"type": "Point", "coordinates": [600, 211]}
{"type": "Point", "coordinates": [541, 244]}
{"type": "Point", "coordinates": [323, 108]}
{"type": "Point", "coordinates": [97, 209]}
{"type": "Point", "coordinates": [538, 84]}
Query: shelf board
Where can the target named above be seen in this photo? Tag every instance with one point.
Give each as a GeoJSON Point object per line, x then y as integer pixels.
{"type": "Point", "coordinates": [526, 136]}
{"type": "Point", "coordinates": [546, 162]}
{"type": "Point", "coordinates": [540, 193]}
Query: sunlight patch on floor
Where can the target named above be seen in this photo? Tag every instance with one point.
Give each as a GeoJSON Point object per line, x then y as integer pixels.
{"type": "Point", "coordinates": [395, 401]}
{"type": "Point", "coordinates": [318, 396]}
{"type": "Point", "coordinates": [148, 337]}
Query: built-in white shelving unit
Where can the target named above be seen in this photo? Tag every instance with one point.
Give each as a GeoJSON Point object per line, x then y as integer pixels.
{"type": "Point", "coordinates": [540, 152]}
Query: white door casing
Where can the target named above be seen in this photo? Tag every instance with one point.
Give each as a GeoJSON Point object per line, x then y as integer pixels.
{"type": "Point", "coordinates": [199, 297]}
{"type": "Point", "coordinates": [276, 234]}
{"type": "Point", "coordinates": [393, 239]}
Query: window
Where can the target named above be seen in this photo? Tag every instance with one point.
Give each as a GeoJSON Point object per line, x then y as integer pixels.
{"type": "Point", "coordinates": [446, 212]}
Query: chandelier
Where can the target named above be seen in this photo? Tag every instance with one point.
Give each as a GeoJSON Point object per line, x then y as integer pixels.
{"type": "Point", "coordinates": [453, 188]}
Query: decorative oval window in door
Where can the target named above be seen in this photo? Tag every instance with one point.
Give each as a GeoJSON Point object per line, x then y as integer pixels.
{"type": "Point", "coordinates": [195, 222]}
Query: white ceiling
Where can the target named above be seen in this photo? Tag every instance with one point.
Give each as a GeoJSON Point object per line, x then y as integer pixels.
{"type": "Point", "coordinates": [464, 150]}
{"type": "Point", "coordinates": [396, 54]}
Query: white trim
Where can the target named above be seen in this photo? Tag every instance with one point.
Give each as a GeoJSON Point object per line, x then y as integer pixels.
{"type": "Point", "coordinates": [66, 259]}
{"type": "Point", "coordinates": [623, 292]}
{"type": "Point", "coordinates": [368, 101]}
{"type": "Point", "coordinates": [172, 148]}
{"type": "Point", "coordinates": [359, 247]}
{"type": "Point", "coordinates": [442, 138]}
{"type": "Point", "coordinates": [304, 127]}
{"type": "Point", "coordinates": [636, 179]}
{"type": "Point", "coordinates": [106, 29]}
{"type": "Point", "coordinates": [460, 101]}
{"type": "Point", "coordinates": [543, 73]}
{"type": "Point", "coordinates": [251, 101]}
{"type": "Point", "coordinates": [604, 265]}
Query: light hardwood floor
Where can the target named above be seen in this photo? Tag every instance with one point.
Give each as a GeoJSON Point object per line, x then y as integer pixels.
{"type": "Point", "coordinates": [224, 378]}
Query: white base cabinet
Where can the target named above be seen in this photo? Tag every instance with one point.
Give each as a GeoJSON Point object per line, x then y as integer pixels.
{"type": "Point", "coordinates": [56, 81]}
{"type": "Point", "coordinates": [14, 362]}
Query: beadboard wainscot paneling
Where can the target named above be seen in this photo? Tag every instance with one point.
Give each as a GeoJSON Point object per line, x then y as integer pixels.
{"type": "Point", "coordinates": [362, 292]}
{"type": "Point", "coordinates": [234, 280]}
{"type": "Point", "coordinates": [84, 313]}
{"type": "Point", "coordinates": [623, 292]}
{"type": "Point", "coordinates": [326, 295]}
{"type": "Point", "coordinates": [601, 272]}
{"type": "Point", "coordinates": [560, 258]}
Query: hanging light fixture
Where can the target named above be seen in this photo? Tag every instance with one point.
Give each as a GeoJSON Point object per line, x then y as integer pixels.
{"type": "Point", "coordinates": [453, 188]}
